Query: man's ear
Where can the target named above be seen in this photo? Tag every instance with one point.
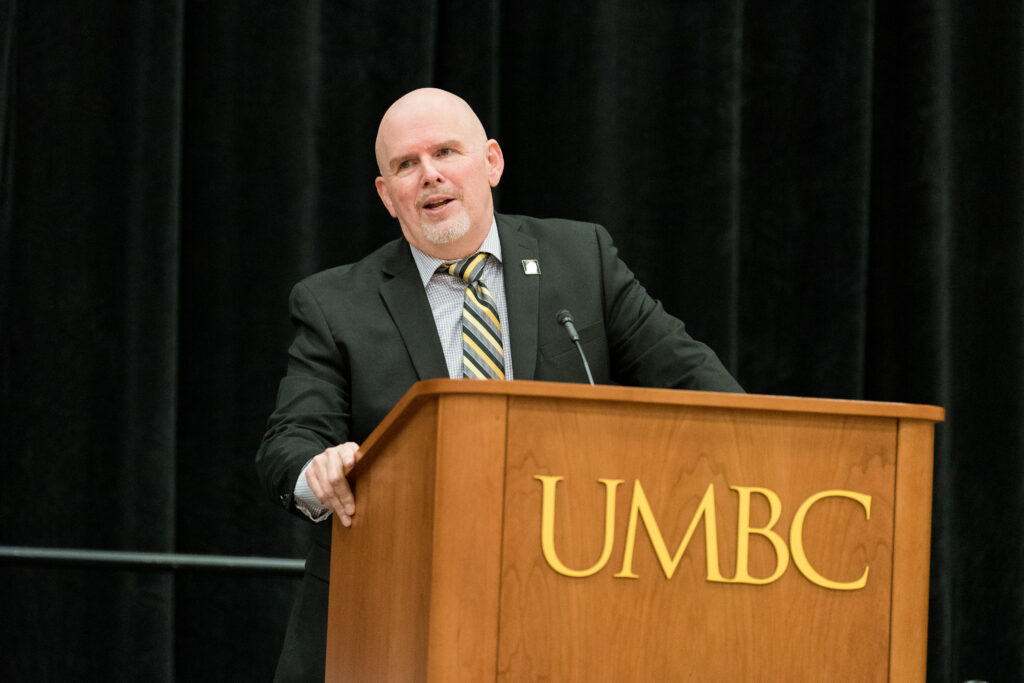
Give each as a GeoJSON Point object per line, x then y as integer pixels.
{"type": "Point", "coordinates": [385, 196]}
{"type": "Point", "coordinates": [495, 162]}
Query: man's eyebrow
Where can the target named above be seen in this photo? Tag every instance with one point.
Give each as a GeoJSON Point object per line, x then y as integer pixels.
{"type": "Point", "coordinates": [393, 162]}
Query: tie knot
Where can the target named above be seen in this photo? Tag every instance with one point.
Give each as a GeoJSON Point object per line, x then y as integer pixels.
{"type": "Point", "coordinates": [469, 269]}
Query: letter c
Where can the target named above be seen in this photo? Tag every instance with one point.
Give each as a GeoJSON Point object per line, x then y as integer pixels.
{"type": "Point", "coordinates": [796, 540]}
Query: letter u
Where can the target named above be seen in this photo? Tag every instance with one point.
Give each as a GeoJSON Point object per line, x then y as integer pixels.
{"type": "Point", "coordinates": [547, 526]}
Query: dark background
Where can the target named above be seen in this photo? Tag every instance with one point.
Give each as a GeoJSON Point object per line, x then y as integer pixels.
{"type": "Point", "coordinates": [830, 194]}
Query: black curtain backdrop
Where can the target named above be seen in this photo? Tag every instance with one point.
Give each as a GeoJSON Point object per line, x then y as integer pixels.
{"type": "Point", "coordinates": [830, 194]}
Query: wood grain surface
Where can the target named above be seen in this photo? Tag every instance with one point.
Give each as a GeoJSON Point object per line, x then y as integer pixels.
{"type": "Point", "coordinates": [443, 577]}
{"type": "Point", "coordinates": [686, 628]}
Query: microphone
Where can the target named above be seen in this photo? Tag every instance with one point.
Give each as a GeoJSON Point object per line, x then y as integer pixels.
{"type": "Point", "coordinates": [564, 318]}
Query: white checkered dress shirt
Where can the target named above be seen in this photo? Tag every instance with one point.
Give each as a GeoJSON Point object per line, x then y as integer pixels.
{"type": "Point", "coordinates": [446, 292]}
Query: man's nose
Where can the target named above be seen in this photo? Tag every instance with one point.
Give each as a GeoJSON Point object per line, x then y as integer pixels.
{"type": "Point", "coordinates": [431, 174]}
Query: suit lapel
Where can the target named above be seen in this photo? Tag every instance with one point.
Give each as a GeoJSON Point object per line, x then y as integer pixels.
{"type": "Point", "coordinates": [406, 301]}
{"type": "Point", "coordinates": [521, 295]}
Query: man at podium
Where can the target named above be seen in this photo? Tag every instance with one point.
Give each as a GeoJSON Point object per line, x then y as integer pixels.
{"type": "Point", "coordinates": [465, 293]}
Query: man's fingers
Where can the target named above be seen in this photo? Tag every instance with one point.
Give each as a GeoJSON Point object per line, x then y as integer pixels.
{"type": "Point", "coordinates": [326, 477]}
{"type": "Point", "coordinates": [319, 484]}
{"type": "Point", "coordinates": [352, 457]}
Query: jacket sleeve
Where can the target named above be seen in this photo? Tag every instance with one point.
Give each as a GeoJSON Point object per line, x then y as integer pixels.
{"type": "Point", "coordinates": [313, 400]}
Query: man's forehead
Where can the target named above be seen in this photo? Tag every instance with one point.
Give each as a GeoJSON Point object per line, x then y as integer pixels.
{"type": "Point", "coordinates": [425, 135]}
{"type": "Point", "coordinates": [421, 135]}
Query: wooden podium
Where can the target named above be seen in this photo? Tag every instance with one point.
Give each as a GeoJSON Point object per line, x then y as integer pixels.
{"type": "Point", "coordinates": [535, 531]}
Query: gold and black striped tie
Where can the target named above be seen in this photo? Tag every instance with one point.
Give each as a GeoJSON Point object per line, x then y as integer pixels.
{"type": "Point", "coordinates": [482, 355]}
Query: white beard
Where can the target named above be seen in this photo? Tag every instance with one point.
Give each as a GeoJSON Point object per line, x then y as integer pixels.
{"type": "Point", "coordinates": [447, 232]}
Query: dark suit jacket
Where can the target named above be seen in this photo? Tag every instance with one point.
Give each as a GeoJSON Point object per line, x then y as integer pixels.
{"type": "Point", "coordinates": [365, 333]}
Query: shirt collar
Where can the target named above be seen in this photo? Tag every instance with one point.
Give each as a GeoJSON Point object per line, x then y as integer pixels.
{"type": "Point", "coordinates": [427, 265]}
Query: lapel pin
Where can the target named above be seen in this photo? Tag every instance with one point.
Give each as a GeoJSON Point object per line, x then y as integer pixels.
{"type": "Point", "coordinates": [531, 266]}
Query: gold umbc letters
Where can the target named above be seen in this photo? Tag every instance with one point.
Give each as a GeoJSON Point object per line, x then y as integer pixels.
{"type": "Point", "coordinates": [640, 510]}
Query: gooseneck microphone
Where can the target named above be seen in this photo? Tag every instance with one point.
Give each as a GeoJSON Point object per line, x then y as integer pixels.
{"type": "Point", "coordinates": [564, 318]}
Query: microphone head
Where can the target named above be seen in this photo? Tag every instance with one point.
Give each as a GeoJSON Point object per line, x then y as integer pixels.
{"type": "Point", "coordinates": [563, 317]}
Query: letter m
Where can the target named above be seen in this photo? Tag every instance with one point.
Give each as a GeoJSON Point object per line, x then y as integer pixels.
{"type": "Point", "coordinates": [640, 508]}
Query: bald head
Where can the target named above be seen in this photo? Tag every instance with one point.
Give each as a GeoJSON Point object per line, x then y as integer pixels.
{"type": "Point", "coordinates": [421, 110]}
{"type": "Point", "coordinates": [437, 168]}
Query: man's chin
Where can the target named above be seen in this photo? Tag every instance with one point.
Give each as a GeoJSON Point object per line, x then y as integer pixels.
{"type": "Point", "coordinates": [447, 232]}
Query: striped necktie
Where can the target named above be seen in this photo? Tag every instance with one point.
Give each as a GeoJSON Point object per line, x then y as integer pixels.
{"type": "Point", "coordinates": [482, 355]}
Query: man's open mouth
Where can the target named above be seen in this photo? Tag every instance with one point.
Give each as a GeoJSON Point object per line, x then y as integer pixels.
{"type": "Point", "coordinates": [437, 203]}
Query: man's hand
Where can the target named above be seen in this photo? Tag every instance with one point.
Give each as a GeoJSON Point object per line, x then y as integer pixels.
{"type": "Point", "coordinates": [326, 478]}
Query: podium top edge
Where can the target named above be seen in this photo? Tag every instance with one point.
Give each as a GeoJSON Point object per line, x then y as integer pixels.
{"type": "Point", "coordinates": [681, 397]}
{"type": "Point", "coordinates": [425, 390]}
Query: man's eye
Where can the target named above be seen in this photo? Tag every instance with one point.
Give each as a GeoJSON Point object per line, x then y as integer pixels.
{"type": "Point", "coordinates": [405, 165]}
{"type": "Point", "coordinates": [444, 151]}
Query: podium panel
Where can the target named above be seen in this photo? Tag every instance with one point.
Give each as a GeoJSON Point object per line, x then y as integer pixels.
{"type": "Point", "coordinates": [579, 628]}
{"type": "Point", "coordinates": [523, 531]}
